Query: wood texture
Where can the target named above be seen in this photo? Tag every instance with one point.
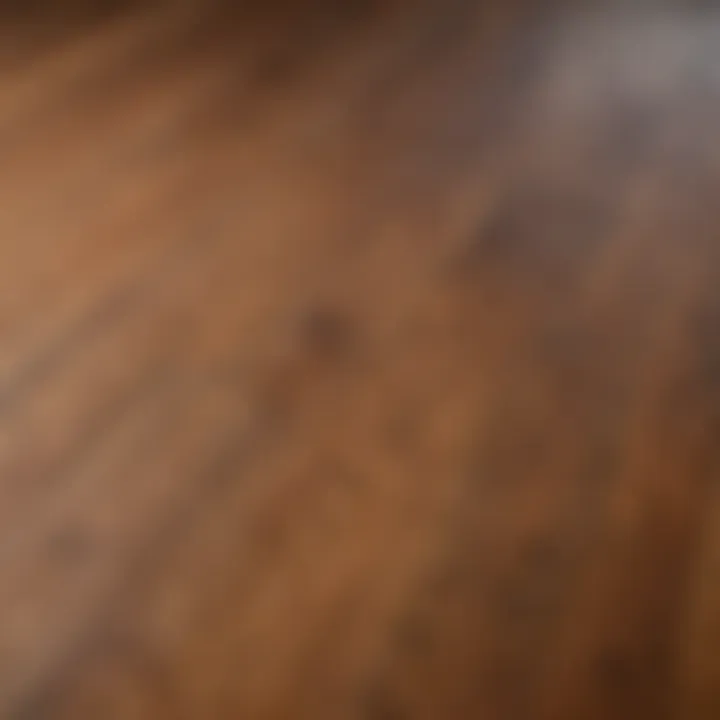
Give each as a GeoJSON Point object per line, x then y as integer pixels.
{"type": "Point", "coordinates": [359, 361]}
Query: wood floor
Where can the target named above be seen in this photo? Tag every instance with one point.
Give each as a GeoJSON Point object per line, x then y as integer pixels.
{"type": "Point", "coordinates": [360, 361]}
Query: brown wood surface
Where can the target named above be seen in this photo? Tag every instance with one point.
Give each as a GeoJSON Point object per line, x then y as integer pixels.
{"type": "Point", "coordinates": [360, 360]}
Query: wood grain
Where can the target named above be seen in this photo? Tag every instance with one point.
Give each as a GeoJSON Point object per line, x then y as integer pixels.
{"type": "Point", "coordinates": [359, 360]}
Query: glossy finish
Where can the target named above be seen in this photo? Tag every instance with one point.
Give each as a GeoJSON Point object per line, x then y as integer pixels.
{"type": "Point", "coordinates": [360, 360]}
